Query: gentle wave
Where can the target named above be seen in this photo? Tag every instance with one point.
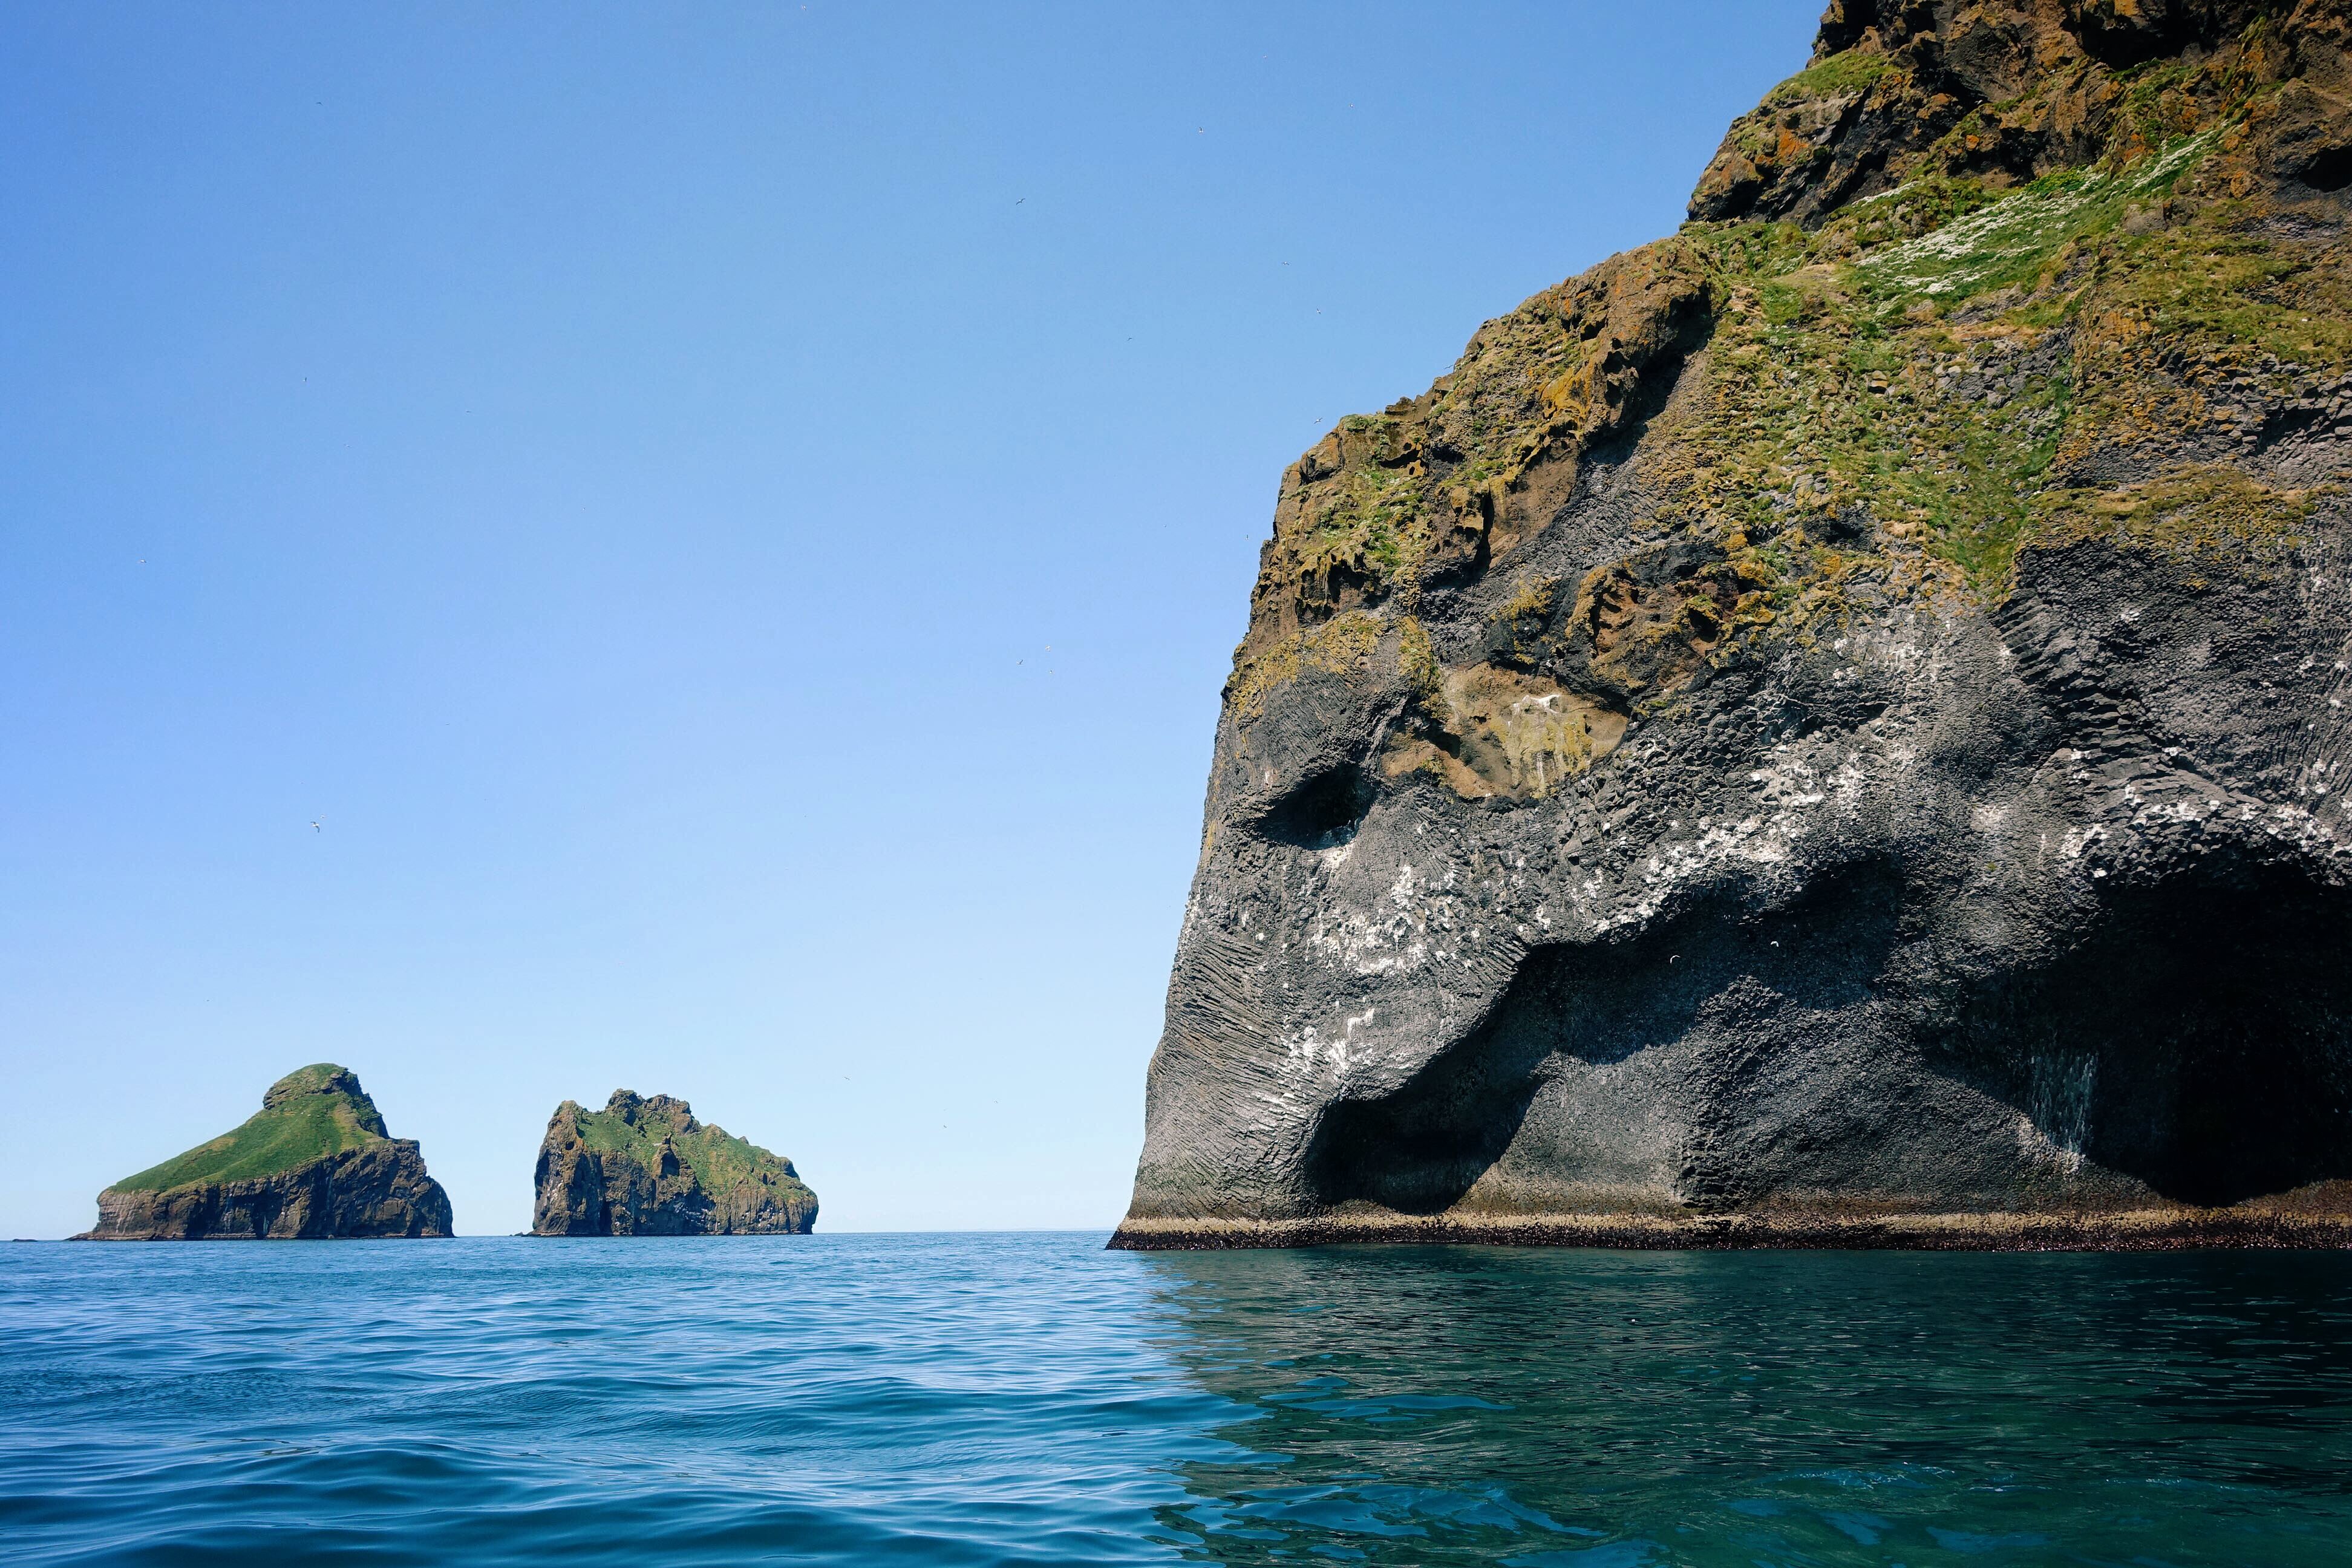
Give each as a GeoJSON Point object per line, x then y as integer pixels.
{"type": "Point", "coordinates": [1034, 1399]}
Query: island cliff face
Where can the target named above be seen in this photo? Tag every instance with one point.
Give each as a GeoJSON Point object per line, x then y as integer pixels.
{"type": "Point", "coordinates": [647, 1167]}
{"type": "Point", "coordinates": [1829, 728]}
{"type": "Point", "coordinates": [314, 1163]}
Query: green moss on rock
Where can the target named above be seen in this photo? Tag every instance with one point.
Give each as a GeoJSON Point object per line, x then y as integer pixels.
{"type": "Point", "coordinates": [2194, 516]}
{"type": "Point", "coordinates": [315, 1163]}
{"type": "Point", "coordinates": [718, 1158]}
{"type": "Point", "coordinates": [645, 1166]}
{"type": "Point", "coordinates": [1928, 364]}
{"type": "Point", "coordinates": [307, 1115]}
{"type": "Point", "coordinates": [1847, 72]}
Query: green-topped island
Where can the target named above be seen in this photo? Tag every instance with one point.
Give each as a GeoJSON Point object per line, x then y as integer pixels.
{"type": "Point", "coordinates": [645, 1166]}
{"type": "Point", "coordinates": [315, 1162]}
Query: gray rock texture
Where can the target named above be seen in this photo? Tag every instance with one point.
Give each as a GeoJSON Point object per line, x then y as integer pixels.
{"type": "Point", "coordinates": [1829, 728]}
{"type": "Point", "coordinates": [315, 1163]}
{"type": "Point", "coordinates": [380, 1191]}
{"type": "Point", "coordinates": [645, 1166]}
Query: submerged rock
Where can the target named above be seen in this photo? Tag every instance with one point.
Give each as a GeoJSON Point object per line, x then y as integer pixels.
{"type": "Point", "coordinates": [647, 1167]}
{"type": "Point", "coordinates": [1830, 727]}
{"type": "Point", "coordinates": [315, 1162]}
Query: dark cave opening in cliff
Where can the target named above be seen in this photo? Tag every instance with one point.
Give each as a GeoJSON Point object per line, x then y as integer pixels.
{"type": "Point", "coordinates": [1320, 811]}
{"type": "Point", "coordinates": [2198, 1040]}
{"type": "Point", "coordinates": [2197, 1036]}
{"type": "Point", "coordinates": [1421, 1148]}
{"type": "Point", "coordinates": [2329, 169]}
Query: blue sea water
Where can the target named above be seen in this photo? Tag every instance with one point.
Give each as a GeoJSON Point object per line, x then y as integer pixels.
{"type": "Point", "coordinates": [1034, 1399]}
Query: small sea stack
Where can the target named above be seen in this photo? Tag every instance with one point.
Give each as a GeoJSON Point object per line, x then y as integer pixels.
{"type": "Point", "coordinates": [314, 1163]}
{"type": "Point", "coordinates": [645, 1166]}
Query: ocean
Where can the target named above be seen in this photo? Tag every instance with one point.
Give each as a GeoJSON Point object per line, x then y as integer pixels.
{"type": "Point", "coordinates": [1035, 1399]}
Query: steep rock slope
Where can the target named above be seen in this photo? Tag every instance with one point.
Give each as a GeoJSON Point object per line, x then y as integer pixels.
{"type": "Point", "coordinates": [314, 1161]}
{"type": "Point", "coordinates": [647, 1167]}
{"type": "Point", "coordinates": [1830, 727]}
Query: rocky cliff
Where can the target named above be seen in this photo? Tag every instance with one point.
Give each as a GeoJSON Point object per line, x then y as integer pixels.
{"type": "Point", "coordinates": [1830, 727]}
{"type": "Point", "coordinates": [315, 1162]}
{"type": "Point", "coordinates": [647, 1167]}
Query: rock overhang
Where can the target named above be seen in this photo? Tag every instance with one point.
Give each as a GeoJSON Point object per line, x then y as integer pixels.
{"type": "Point", "coordinates": [1806, 677]}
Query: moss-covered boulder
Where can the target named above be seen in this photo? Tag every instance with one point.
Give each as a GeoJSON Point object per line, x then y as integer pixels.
{"type": "Point", "coordinates": [647, 1167]}
{"type": "Point", "coordinates": [314, 1161]}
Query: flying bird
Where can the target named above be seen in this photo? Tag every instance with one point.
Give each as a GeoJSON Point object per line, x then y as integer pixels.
{"type": "Point", "coordinates": [314, 824]}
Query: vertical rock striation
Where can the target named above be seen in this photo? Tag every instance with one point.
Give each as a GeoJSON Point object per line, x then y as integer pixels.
{"type": "Point", "coordinates": [647, 1167]}
{"type": "Point", "coordinates": [1832, 726]}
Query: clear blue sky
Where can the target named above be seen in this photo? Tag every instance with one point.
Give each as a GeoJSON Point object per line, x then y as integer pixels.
{"type": "Point", "coordinates": [732, 518]}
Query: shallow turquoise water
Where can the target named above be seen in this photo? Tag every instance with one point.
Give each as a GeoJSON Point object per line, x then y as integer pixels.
{"type": "Point", "coordinates": [1031, 1399]}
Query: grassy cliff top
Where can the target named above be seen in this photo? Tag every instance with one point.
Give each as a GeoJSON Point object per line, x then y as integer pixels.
{"type": "Point", "coordinates": [637, 1126]}
{"type": "Point", "coordinates": [306, 1115]}
{"type": "Point", "coordinates": [2105, 308]}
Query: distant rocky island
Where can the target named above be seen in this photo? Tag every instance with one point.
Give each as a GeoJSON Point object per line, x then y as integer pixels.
{"type": "Point", "coordinates": [316, 1162]}
{"type": "Point", "coordinates": [1830, 728]}
{"type": "Point", "coordinates": [645, 1166]}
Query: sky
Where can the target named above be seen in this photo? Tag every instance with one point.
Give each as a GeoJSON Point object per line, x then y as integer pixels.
{"type": "Point", "coordinates": [546, 548]}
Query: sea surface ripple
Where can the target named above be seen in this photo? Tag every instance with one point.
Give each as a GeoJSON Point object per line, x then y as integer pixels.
{"type": "Point", "coordinates": [1034, 1399]}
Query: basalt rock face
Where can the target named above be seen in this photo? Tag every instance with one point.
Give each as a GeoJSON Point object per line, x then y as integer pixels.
{"type": "Point", "coordinates": [647, 1167]}
{"type": "Point", "coordinates": [1831, 727]}
{"type": "Point", "coordinates": [315, 1163]}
